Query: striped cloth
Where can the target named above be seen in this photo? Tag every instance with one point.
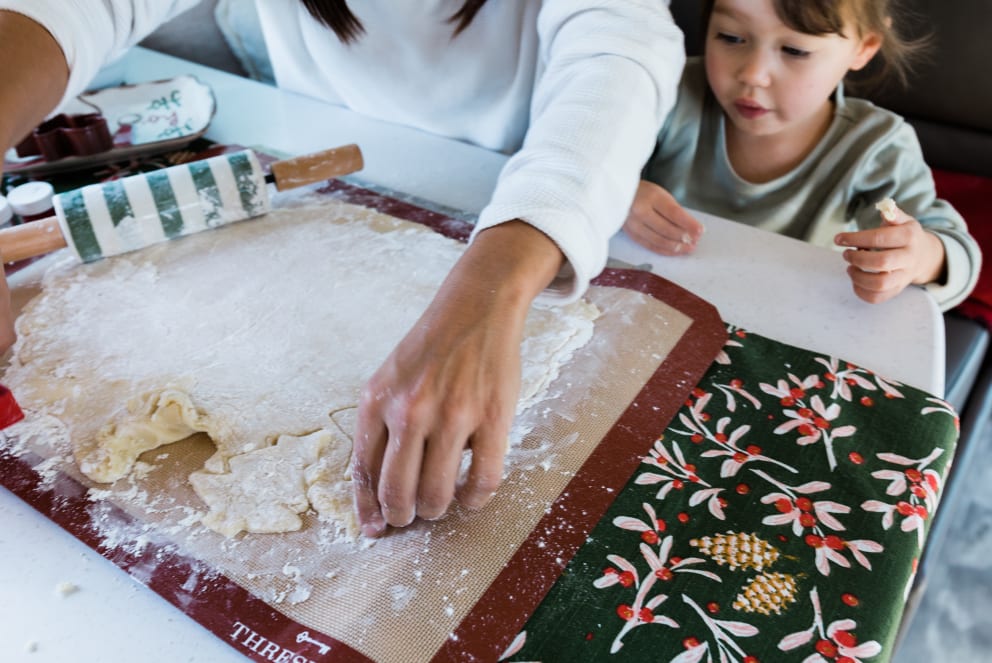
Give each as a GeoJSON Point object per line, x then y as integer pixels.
{"type": "Point", "coordinates": [102, 220]}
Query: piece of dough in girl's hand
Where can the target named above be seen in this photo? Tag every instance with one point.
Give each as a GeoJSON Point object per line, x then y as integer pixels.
{"type": "Point", "coordinates": [888, 208]}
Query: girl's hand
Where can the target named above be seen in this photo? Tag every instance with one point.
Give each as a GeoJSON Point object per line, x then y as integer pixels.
{"type": "Point", "coordinates": [884, 260]}
{"type": "Point", "coordinates": [657, 222]}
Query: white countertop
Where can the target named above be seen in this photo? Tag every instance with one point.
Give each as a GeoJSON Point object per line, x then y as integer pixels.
{"type": "Point", "coordinates": [769, 284]}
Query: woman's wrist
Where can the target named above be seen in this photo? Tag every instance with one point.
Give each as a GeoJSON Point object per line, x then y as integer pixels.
{"type": "Point", "coordinates": [513, 260]}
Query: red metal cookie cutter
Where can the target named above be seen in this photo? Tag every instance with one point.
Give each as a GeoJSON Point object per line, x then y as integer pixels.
{"type": "Point", "coordinates": [67, 136]}
{"type": "Point", "coordinates": [10, 411]}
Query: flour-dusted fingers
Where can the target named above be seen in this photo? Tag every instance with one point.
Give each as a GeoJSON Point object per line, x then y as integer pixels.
{"type": "Point", "coordinates": [486, 471]}
{"type": "Point", "coordinates": [666, 240]}
{"type": "Point", "coordinates": [370, 444]}
{"type": "Point", "coordinates": [657, 222]}
{"type": "Point", "coordinates": [689, 227]}
{"type": "Point", "coordinates": [439, 473]}
{"type": "Point", "coordinates": [400, 475]}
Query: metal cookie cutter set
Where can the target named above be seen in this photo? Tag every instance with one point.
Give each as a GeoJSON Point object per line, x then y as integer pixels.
{"type": "Point", "coordinates": [67, 135]}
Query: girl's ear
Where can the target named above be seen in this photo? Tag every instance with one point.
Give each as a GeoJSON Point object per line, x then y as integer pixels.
{"type": "Point", "coordinates": [868, 47]}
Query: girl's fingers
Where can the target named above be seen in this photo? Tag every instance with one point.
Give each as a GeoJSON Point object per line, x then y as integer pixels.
{"type": "Point", "coordinates": [667, 242]}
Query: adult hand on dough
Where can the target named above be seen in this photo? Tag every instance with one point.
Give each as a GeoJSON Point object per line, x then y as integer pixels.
{"type": "Point", "coordinates": [452, 383]}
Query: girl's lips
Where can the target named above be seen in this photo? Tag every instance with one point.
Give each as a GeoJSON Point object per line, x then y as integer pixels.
{"type": "Point", "coordinates": [749, 109]}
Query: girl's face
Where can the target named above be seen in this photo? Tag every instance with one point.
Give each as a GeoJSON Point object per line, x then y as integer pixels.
{"type": "Point", "coordinates": [772, 80]}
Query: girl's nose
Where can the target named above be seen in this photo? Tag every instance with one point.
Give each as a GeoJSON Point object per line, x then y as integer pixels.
{"type": "Point", "coordinates": [755, 69]}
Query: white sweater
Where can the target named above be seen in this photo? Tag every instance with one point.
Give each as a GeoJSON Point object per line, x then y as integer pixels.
{"type": "Point", "coordinates": [576, 90]}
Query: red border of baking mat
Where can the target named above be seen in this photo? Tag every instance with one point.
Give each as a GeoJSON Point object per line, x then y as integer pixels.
{"type": "Point", "coordinates": [260, 632]}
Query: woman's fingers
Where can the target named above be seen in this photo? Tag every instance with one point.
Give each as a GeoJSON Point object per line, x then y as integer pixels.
{"type": "Point", "coordinates": [370, 444]}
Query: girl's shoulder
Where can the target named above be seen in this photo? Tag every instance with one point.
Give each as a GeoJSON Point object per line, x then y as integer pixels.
{"type": "Point", "coordinates": [865, 115]}
{"type": "Point", "coordinates": [877, 133]}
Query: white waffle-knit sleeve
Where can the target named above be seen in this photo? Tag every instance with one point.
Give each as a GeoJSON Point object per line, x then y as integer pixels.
{"type": "Point", "coordinates": [608, 77]}
{"type": "Point", "coordinates": [91, 33]}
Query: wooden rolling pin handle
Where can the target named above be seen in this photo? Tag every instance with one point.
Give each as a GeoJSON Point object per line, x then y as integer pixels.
{"type": "Point", "coordinates": [30, 239]}
{"type": "Point", "coordinates": [317, 167]}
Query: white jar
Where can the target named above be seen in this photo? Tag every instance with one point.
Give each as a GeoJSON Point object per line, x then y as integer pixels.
{"type": "Point", "coordinates": [32, 201]}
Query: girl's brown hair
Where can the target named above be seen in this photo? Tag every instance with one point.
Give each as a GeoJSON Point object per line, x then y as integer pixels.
{"type": "Point", "coordinates": [823, 17]}
{"type": "Point", "coordinates": [336, 16]}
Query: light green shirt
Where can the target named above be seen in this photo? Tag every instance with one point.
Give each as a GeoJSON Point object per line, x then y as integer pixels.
{"type": "Point", "coordinates": [867, 154]}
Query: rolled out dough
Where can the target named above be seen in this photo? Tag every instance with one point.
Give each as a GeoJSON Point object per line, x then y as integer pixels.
{"type": "Point", "coordinates": [259, 334]}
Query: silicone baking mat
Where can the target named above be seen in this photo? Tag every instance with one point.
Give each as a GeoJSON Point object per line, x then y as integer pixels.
{"type": "Point", "coordinates": [459, 588]}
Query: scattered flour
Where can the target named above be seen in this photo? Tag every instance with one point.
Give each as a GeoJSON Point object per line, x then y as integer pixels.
{"type": "Point", "coordinates": [252, 335]}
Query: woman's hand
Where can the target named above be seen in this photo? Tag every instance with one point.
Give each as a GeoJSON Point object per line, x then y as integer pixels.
{"type": "Point", "coordinates": [451, 384]}
{"type": "Point", "coordinates": [657, 222]}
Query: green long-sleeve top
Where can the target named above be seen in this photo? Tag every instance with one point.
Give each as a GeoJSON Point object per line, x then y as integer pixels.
{"type": "Point", "coordinates": [867, 154]}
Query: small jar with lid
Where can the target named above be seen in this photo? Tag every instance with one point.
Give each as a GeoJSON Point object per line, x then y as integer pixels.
{"type": "Point", "coordinates": [6, 213]}
{"type": "Point", "coordinates": [32, 201]}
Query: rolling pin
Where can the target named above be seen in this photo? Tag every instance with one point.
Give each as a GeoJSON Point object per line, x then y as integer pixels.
{"type": "Point", "coordinates": [102, 220]}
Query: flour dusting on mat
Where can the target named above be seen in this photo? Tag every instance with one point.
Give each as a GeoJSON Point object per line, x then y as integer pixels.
{"type": "Point", "coordinates": [259, 337]}
{"type": "Point", "coordinates": [89, 366]}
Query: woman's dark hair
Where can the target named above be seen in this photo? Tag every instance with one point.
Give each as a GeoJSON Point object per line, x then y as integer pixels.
{"type": "Point", "coordinates": [823, 17]}
{"type": "Point", "coordinates": [336, 16]}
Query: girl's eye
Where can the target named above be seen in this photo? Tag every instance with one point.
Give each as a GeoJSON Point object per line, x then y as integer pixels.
{"type": "Point", "coordinates": [795, 52]}
{"type": "Point", "coordinates": [729, 38]}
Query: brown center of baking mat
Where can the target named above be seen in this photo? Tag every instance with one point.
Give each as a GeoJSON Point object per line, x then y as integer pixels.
{"type": "Point", "coordinates": [457, 589]}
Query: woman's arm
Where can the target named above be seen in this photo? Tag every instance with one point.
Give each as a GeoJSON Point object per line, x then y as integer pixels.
{"type": "Point", "coordinates": [451, 384]}
{"type": "Point", "coordinates": [34, 78]}
{"type": "Point", "coordinates": [33, 81]}
{"type": "Point", "coordinates": [91, 33]}
{"type": "Point", "coordinates": [607, 78]}
{"type": "Point", "coordinates": [51, 49]}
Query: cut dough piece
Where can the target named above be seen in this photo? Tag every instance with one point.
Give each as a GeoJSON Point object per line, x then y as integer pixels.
{"type": "Point", "coordinates": [265, 490]}
{"type": "Point", "coordinates": [329, 485]}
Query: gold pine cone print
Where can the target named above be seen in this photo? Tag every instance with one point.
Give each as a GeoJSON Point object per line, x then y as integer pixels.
{"type": "Point", "coordinates": [768, 593]}
{"type": "Point", "coordinates": [737, 550]}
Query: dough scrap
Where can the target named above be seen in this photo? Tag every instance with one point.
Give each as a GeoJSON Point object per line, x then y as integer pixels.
{"type": "Point", "coordinates": [888, 208]}
{"type": "Point", "coordinates": [265, 490]}
{"type": "Point", "coordinates": [155, 419]}
{"type": "Point", "coordinates": [252, 333]}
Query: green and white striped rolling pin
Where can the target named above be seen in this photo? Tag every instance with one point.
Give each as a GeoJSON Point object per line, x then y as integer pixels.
{"type": "Point", "coordinates": [102, 220]}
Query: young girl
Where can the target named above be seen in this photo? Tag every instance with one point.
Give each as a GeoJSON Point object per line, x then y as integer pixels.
{"type": "Point", "coordinates": [763, 134]}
